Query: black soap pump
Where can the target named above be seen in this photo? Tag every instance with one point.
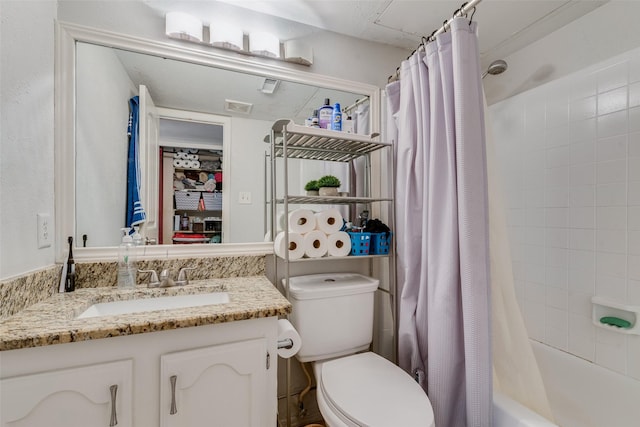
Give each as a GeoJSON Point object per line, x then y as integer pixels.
{"type": "Point", "coordinates": [70, 279]}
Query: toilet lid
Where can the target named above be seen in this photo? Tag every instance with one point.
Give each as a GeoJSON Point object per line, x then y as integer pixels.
{"type": "Point", "coordinates": [371, 391]}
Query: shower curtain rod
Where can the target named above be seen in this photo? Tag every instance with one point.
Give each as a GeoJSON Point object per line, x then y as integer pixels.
{"type": "Point", "coordinates": [464, 10]}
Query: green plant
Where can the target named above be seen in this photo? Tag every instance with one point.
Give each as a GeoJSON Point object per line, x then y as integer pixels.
{"type": "Point", "coordinates": [329, 181]}
{"type": "Point", "coordinates": [312, 185]}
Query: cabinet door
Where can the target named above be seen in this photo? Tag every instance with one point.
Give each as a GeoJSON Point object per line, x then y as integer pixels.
{"type": "Point", "coordinates": [223, 385]}
{"type": "Point", "coordinates": [96, 395]}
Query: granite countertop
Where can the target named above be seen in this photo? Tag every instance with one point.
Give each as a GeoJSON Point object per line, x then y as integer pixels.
{"type": "Point", "coordinates": [54, 321]}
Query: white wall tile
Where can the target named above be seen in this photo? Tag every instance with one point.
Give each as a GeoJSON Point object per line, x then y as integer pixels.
{"type": "Point", "coordinates": [557, 237]}
{"type": "Point", "coordinates": [583, 151]}
{"type": "Point", "coordinates": [582, 195]}
{"type": "Point", "coordinates": [634, 119]}
{"type": "Point", "coordinates": [534, 319]}
{"type": "Point", "coordinates": [614, 148]}
{"type": "Point", "coordinates": [557, 197]}
{"type": "Point", "coordinates": [582, 271]}
{"type": "Point", "coordinates": [611, 350]}
{"type": "Point", "coordinates": [612, 101]}
{"type": "Point", "coordinates": [582, 336]}
{"type": "Point", "coordinates": [535, 217]}
{"type": "Point", "coordinates": [633, 292]}
{"type": "Point", "coordinates": [633, 357]}
{"type": "Point", "coordinates": [582, 109]}
{"type": "Point", "coordinates": [611, 287]}
{"type": "Point", "coordinates": [612, 124]}
{"type": "Point", "coordinates": [634, 267]}
{"type": "Point", "coordinates": [634, 69]}
{"type": "Point", "coordinates": [557, 156]}
{"type": "Point", "coordinates": [556, 217]}
{"type": "Point", "coordinates": [534, 197]}
{"type": "Point", "coordinates": [582, 86]}
{"type": "Point", "coordinates": [582, 239]}
{"type": "Point", "coordinates": [557, 136]}
{"type": "Point", "coordinates": [533, 273]}
{"type": "Point", "coordinates": [580, 303]}
{"type": "Point", "coordinates": [557, 298]}
{"type": "Point", "coordinates": [558, 112]}
{"type": "Point", "coordinates": [611, 264]}
{"type": "Point", "coordinates": [557, 257]}
{"type": "Point", "coordinates": [534, 292]}
{"type": "Point", "coordinates": [633, 193]}
{"type": "Point", "coordinates": [583, 130]}
{"type": "Point", "coordinates": [611, 241]}
{"type": "Point", "coordinates": [611, 217]}
{"type": "Point", "coordinates": [634, 144]}
{"type": "Point", "coordinates": [633, 217]}
{"type": "Point", "coordinates": [614, 194]}
{"type": "Point", "coordinates": [612, 77]}
{"type": "Point", "coordinates": [533, 236]}
{"type": "Point", "coordinates": [582, 217]}
{"type": "Point", "coordinates": [557, 328]}
{"type": "Point", "coordinates": [582, 174]}
{"type": "Point", "coordinates": [557, 277]}
{"type": "Point", "coordinates": [634, 95]}
{"type": "Point", "coordinates": [633, 173]}
{"type": "Point", "coordinates": [612, 171]}
{"type": "Point", "coordinates": [633, 237]}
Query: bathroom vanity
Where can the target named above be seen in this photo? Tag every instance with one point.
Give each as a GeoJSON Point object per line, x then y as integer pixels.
{"type": "Point", "coordinates": [176, 367]}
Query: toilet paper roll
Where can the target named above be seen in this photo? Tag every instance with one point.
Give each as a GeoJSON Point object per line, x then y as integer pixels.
{"type": "Point", "coordinates": [338, 244]}
{"type": "Point", "coordinates": [300, 221]}
{"type": "Point", "coordinates": [182, 155]}
{"type": "Point", "coordinates": [315, 244]}
{"type": "Point", "coordinates": [179, 163]}
{"type": "Point", "coordinates": [286, 332]}
{"type": "Point", "coordinates": [329, 221]}
{"type": "Point", "coordinates": [195, 164]}
{"type": "Point", "coordinates": [192, 156]}
{"type": "Point", "coordinates": [296, 245]}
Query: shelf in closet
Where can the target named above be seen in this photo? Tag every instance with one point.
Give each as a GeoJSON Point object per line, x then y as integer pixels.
{"type": "Point", "coordinates": [338, 200]}
{"type": "Point", "coordinates": [309, 143]}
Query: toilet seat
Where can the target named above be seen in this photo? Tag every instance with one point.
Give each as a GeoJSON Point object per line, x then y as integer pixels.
{"type": "Point", "coordinates": [367, 390]}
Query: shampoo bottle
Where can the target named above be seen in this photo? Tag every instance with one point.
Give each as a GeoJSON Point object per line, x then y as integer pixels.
{"type": "Point", "coordinates": [126, 262]}
{"type": "Point", "coordinates": [336, 118]}
{"type": "Point", "coordinates": [324, 115]}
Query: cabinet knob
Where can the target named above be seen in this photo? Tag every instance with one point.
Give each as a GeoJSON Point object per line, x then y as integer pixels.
{"type": "Point", "coordinates": [174, 408]}
{"type": "Point", "coordinates": [114, 416]}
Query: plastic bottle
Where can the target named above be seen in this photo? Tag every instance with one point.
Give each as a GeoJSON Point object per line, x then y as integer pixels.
{"type": "Point", "coordinates": [336, 118]}
{"type": "Point", "coordinates": [136, 236]}
{"type": "Point", "coordinates": [324, 114]}
{"type": "Point", "coordinates": [347, 125]}
{"type": "Point", "coordinates": [126, 262]}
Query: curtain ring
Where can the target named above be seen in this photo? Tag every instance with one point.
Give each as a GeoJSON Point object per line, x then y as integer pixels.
{"type": "Point", "coordinates": [444, 25]}
{"type": "Point", "coordinates": [423, 41]}
{"type": "Point", "coordinates": [472, 13]}
{"type": "Point", "coordinates": [462, 6]}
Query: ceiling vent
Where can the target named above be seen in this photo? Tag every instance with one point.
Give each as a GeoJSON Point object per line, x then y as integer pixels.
{"type": "Point", "coordinates": [269, 85]}
{"type": "Point", "coordinates": [238, 107]}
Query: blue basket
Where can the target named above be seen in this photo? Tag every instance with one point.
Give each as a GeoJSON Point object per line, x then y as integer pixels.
{"type": "Point", "coordinates": [360, 243]}
{"type": "Point", "coordinates": [380, 243]}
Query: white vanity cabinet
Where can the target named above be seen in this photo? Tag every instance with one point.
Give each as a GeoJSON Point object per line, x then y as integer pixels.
{"type": "Point", "coordinates": [222, 385]}
{"type": "Point", "coordinates": [225, 375]}
{"type": "Point", "coordinates": [95, 395]}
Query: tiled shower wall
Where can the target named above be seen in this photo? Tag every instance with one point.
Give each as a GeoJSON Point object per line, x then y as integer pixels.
{"type": "Point", "coordinates": [569, 157]}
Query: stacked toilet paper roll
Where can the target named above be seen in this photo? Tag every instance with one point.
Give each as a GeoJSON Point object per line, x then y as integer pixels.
{"type": "Point", "coordinates": [186, 160]}
{"type": "Point", "coordinates": [314, 234]}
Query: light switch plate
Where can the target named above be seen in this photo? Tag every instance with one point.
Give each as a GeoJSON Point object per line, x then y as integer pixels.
{"type": "Point", "coordinates": [244, 198]}
{"type": "Point", "coordinates": [45, 230]}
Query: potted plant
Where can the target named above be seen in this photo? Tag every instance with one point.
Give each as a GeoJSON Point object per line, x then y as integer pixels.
{"type": "Point", "coordinates": [328, 185]}
{"type": "Point", "coordinates": [312, 188]}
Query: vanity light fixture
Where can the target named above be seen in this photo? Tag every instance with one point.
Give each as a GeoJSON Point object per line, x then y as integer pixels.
{"type": "Point", "coordinates": [183, 26]}
{"type": "Point", "coordinates": [269, 85]}
{"type": "Point", "coordinates": [226, 36]}
{"type": "Point", "coordinates": [265, 44]}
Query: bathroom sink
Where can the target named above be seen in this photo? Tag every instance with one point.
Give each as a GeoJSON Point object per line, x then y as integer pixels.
{"type": "Point", "coordinates": [115, 308]}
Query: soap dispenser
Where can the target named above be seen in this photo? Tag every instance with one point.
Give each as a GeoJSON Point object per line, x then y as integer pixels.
{"type": "Point", "coordinates": [126, 262]}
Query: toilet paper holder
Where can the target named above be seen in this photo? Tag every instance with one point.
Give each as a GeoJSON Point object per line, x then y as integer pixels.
{"type": "Point", "coordinates": [285, 343]}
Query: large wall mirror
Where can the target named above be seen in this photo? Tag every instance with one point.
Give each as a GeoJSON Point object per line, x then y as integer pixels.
{"type": "Point", "coordinates": [200, 99]}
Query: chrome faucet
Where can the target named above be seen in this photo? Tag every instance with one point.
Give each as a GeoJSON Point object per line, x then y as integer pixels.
{"type": "Point", "coordinates": [165, 280]}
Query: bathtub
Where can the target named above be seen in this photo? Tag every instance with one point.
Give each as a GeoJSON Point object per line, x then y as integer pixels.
{"type": "Point", "coordinates": [581, 394]}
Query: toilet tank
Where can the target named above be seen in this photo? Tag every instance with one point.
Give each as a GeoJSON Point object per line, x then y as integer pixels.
{"type": "Point", "coordinates": [333, 313]}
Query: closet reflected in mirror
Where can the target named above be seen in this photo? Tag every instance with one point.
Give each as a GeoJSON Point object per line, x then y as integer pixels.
{"type": "Point", "coordinates": [240, 107]}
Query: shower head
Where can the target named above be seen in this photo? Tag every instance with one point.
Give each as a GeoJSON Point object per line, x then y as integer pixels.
{"type": "Point", "coordinates": [496, 67]}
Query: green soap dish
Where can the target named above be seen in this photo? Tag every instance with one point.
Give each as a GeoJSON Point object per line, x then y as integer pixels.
{"type": "Point", "coordinates": [615, 321]}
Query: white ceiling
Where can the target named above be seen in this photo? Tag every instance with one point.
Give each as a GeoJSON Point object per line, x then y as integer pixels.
{"type": "Point", "coordinates": [505, 26]}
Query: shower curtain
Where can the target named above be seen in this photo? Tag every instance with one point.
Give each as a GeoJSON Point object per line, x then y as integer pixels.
{"type": "Point", "coordinates": [444, 337]}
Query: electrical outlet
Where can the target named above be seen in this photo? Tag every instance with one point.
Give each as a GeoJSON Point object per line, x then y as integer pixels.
{"type": "Point", "coordinates": [244, 198]}
{"type": "Point", "coordinates": [45, 230]}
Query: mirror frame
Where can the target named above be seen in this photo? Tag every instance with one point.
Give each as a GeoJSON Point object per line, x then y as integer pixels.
{"type": "Point", "coordinates": [67, 35]}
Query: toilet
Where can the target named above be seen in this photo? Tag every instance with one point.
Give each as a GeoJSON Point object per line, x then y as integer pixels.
{"type": "Point", "coordinates": [333, 313]}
